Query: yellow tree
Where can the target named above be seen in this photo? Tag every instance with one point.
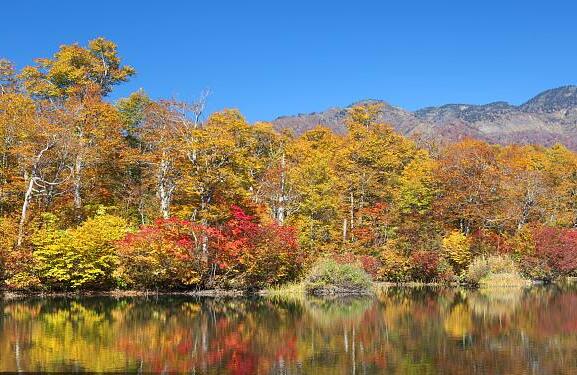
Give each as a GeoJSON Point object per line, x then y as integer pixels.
{"type": "Point", "coordinates": [74, 80]}
{"type": "Point", "coordinates": [41, 149]}
{"type": "Point", "coordinates": [270, 171]}
{"type": "Point", "coordinates": [469, 178]}
{"type": "Point", "coordinates": [560, 169]}
{"type": "Point", "coordinates": [314, 186]}
{"type": "Point", "coordinates": [523, 185]}
{"type": "Point", "coordinates": [31, 159]}
{"type": "Point", "coordinates": [163, 137]}
{"type": "Point", "coordinates": [413, 202]}
{"type": "Point", "coordinates": [370, 164]}
{"type": "Point", "coordinates": [77, 71]}
{"type": "Point", "coordinates": [13, 109]}
{"type": "Point", "coordinates": [222, 167]}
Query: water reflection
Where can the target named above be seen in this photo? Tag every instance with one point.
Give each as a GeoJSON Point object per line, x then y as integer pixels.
{"type": "Point", "coordinates": [398, 331]}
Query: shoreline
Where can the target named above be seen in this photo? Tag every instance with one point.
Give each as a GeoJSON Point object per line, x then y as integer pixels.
{"type": "Point", "coordinates": [216, 293]}
{"type": "Point", "coordinates": [222, 293]}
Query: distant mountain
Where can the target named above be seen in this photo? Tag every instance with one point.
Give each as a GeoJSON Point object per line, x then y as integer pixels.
{"type": "Point", "coordinates": [548, 118]}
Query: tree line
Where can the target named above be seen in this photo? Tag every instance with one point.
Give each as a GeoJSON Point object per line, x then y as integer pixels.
{"type": "Point", "coordinates": [147, 193]}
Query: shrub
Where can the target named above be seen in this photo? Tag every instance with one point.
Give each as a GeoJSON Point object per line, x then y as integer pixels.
{"type": "Point", "coordinates": [558, 248]}
{"type": "Point", "coordinates": [395, 267]}
{"type": "Point", "coordinates": [445, 272]}
{"type": "Point", "coordinates": [273, 257]}
{"type": "Point", "coordinates": [478, 269]}
{"type": "Point", "coordinates": [487, 242]}
{"type": "Point", "coordinates": [368, 263]}
{"type": "Point", "coordinates": [24, 280]}
{"type": "Point", "coordinates": [536, 268]}
{"type": "Point", "coordinates": [545, 253]}
{"type": "Point", "coordinates": [78, 257]}
{"type": "Point", "coordinates": [330, 277]}
{"type": "Point", "coordinates": [259, 255]}
{"type": "Point", "coordinates": [483, 267]}
{"type": "Point", "coordinates": [425, 265]}
{"type": "Point", "coordinates": [166, 254]}
{"type": "Point", "coordinates": [16, 263]}
{"type": "Point", "coordinates": [176, 253]}
{"type": "Point", "coordinates": [522, 243]}
{"type": "Point", "coordinates": [457, 248]}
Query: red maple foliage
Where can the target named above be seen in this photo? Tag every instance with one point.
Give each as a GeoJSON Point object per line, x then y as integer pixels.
{"type": "Point", "coordinates": [425, 265]}
{"type": "Point", "coordinates": [178, 253]}
{"type": "Point", "coordinates": [263, 254]}
{"type": "Point", "coordinates": [557, 247]}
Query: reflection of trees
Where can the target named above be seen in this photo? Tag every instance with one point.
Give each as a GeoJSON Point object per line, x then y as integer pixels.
{"type": "Point", "coordinates": [495, 303]}
{"type": "Point", "coordinates": [37, 334]}
{"type": "Point", "coordinates": [399, 331]}
{"type": "Point", "coordinates": [328, 312]}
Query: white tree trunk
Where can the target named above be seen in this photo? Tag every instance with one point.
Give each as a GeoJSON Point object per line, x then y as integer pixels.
{"type": "Point", "coordinates": [164, 188]}
{"type": "Point", "coordinates": [78, 182]}
{"type": "Point", "coordinates": [281, 209]}
{"type": "Point", "coordinates": [25, 204]}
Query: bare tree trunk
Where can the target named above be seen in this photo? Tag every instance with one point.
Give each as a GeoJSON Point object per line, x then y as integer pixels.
{"type": "Point", "coordinates": [352, 213]}
{"type": "Point", "coordinates": [77, 183]}
{"type": "Point", "coordinates": [164, 190]}
{"type": "Point", "coordinates": [281, 210]}
{"type": "Point", "coordinates": [25, 204]}
{"type": "Point", "coordinates": [28, 194]}
{"type": "Point", "coordinates": [204, 201]}
{"type": "Point", "coordinates": [141, 211]}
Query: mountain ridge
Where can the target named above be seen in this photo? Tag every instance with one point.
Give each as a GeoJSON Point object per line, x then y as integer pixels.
{"type": "Point", "coordinates": [547, 118]}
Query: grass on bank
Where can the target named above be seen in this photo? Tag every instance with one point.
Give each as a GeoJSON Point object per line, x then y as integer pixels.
{"type": "Point", "coordinates": [494, 271]}
{"type": "Point", "coordinates": [503, 280]}
{"type": "Point", "coordinates": [327, 278]}
{"type": "Point", "coordinates": [290, 291]}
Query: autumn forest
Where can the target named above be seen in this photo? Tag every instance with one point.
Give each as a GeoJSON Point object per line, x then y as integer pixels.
{"type": "Point", "coordinates": [157, 194]}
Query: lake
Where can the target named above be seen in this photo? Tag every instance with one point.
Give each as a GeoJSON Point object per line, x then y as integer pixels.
{"type": "Point", "coordinates": [398, 331]}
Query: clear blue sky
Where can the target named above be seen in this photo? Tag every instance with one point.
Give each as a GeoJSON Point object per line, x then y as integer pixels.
{"type": "Point", "coordinates": [269, 58]}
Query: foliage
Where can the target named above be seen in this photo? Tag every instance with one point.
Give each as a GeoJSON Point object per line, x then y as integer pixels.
{"type": "Point", "coordinates": [457, 247]}
{"type": "Point", "coordinates": [445, 271]}
{"type": "Point", "coordinates": [261, 255]}
{"type": "Point", "coordinates": [555, 253]}
{"type": "Point", "coordinates": [7, 243]}
{"type": "Point", "coordinates": [78, 257]}
{"type": "Point", "coordinates": [174, 253]}
{"type": "Point", "coordinates": [395, 266]}
{"type": "Point", "coordinates": [425, 265]}
{"type": "Point", "coordinates": [166, 254]}
{"type": "Point", "coordinates": [368, 263]}
{"type": "Point", "coordinates": [330, 277]}
{"type": "Point", "coordinates": [75, 69]}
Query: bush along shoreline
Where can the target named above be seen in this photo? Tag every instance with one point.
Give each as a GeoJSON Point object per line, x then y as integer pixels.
{"type": "Point", "coordinates": [103, 256]}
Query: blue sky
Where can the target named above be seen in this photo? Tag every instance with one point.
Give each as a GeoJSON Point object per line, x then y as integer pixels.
{"type": "Point", "coordinates": [270, 58]}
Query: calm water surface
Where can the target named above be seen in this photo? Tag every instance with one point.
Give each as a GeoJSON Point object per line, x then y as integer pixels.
{"type": "Point", "coordinates": [399, 331]}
